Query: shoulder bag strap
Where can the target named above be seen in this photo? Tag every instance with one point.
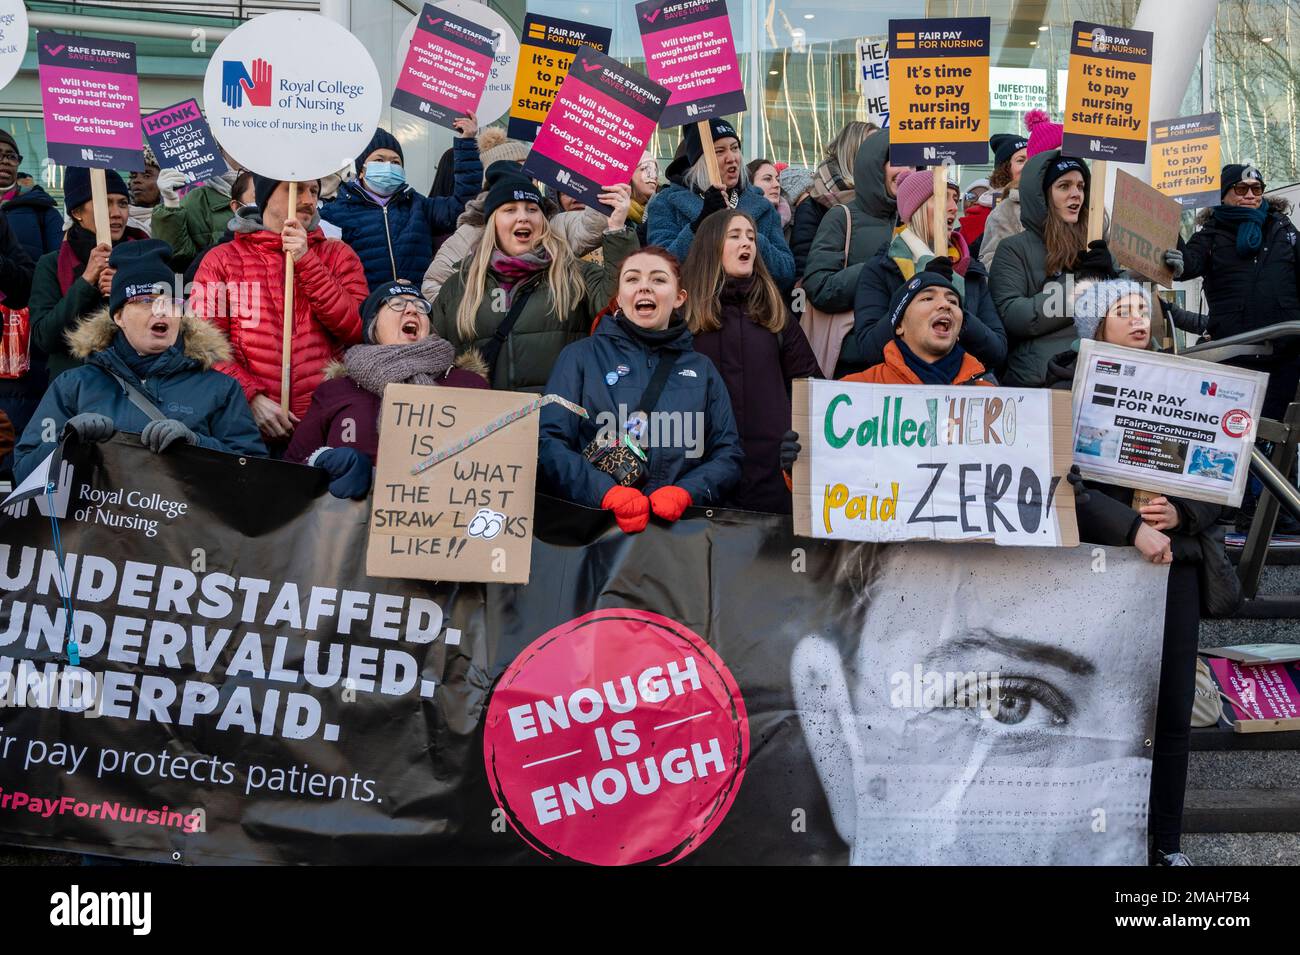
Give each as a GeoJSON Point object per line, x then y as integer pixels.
{"type": "Point", "coordinates": [493, 348]}
{"type": "Point", "coordinates": [650, 397]}
{"type": "Point", "coordinates": [136, 396]}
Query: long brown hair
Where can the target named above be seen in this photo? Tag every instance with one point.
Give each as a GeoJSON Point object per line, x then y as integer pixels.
{"type": "Point", "coordinates": [1063, 241]}
{"type": "Point", "coordinates": [703, 277]}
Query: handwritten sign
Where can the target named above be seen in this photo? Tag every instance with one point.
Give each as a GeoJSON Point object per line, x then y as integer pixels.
{"type": "Point", "coordinates": [90, 95]}
{"type": "Point", "coordinates": [1165, 423]}
{"type": "Point", "coordinates": [1108, 100]}
{"type": "Point", "coordinates": [689, 50]}
{"type": "Point", "coordinates": [597, 130]}
{"type": "Point", "coordinates": [1185, 159]}
{"type": "Point", "coordinates": [446, 68]}
{"type": "Point", "coordinates": [468, 517]}
{"type": "Point", "coordinates": [920, 462]}
{"type": "Point", "coordinates": [180, 139]}
{"type": "Point", "coordinates": [1143, 226]}
{"type": "Point", "coordinates": [873, 79]}
{"type": "Point", "coordinates": [939, 91]}
{"type": "Point", "coordinates": [549, 46]}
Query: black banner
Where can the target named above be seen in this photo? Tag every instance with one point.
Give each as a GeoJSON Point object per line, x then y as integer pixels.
{"type": "Point", "coordinates": [715, 691]}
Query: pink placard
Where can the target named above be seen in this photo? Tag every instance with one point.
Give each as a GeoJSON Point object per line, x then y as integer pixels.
{"type": "Point", "coordinates": [593, 135]}
{"type": "Point", "coordinates": [1265, 692]}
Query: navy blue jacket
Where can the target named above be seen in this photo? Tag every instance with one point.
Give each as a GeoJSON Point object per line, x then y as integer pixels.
{"type": "Point", "coordinates": [35, 220]}
{"type": "Point", "coordinates": [982, 333]}
{"type": "Point", "coordinates": [183, 386]}
{"type": "Point", "coordinates": [395, 241]}
{"type": "Point", "coordinates": [706, 465]}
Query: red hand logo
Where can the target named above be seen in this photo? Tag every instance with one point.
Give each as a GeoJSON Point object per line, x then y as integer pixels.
{"type": "Point", "coordinates": [259, 93]}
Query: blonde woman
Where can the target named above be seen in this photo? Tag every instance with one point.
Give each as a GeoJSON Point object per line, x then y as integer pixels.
{"type": "Point", "coordinates": [832, 184]}
{"type": "Point", "coordinates": [523, 295]}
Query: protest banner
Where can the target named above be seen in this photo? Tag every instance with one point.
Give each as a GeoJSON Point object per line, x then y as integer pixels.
{"type": "Point", "coordinates": [281, 112]}
{"type": "Point", "coordinates": [446, 67]}
{"type": "Point", "coordinates": [274, 704]}
{"type": "Point", "coordinates": [597, 131]}
{"type": "Point", "coordinates": [1261, 698]}
{"type": "Point", "coordinates": [690, 52]}
{"type": "Point", "coordinates": [942, 463]}
{"type": "Point", "coordinates": [90, 97]}
{"type": "Point", "coordinates": [1185, 159]}
{"type": "Point", "coordinates": [180, 139]}
{"type": "Point", "coordinates": [13, 38]}
{"type": "Point", "coordinates": [1143, 227]}
{"type": "Point", "coordinates": [939, 91]}
{"type": "Point", "coordinates": [1165, 423]}
{"type": "Point", "coordinates": [549, 45]}
{"type": "Point", "coordinates": [1108, 98]}
{"type": "Point", "coordinates": [873, 79]}
{"type": "Point", "coordinates": [468, 517]}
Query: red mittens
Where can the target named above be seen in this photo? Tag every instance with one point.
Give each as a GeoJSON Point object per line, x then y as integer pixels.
{"type": "Point", "coordinates": [631, 508]}
{"type": "Point", "coordinates": [670, 502]}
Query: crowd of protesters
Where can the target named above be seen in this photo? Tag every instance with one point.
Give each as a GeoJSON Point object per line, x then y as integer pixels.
{"type": "Point", "coordinates": [690, 297]}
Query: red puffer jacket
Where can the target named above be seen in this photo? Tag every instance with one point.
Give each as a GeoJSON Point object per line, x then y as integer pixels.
{"type": "Point", "coordinates": [239, 288]}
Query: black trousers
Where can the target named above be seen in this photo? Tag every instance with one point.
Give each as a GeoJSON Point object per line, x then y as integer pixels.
{"type": "Point", "coordinates": [1174, 706]}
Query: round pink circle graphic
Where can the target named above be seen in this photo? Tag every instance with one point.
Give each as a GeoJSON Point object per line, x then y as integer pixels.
{"type": "Point", "coordinates": [1236, 423]}
{"type": "Point", "coordinates": [617, 738]}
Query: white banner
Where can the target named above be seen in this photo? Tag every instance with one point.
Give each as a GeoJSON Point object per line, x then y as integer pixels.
{"type": "Point", "coordinates": [945, 463]}
{"type": "Point", "coordinates": [1165, 423]}
{"type": "Point", "coordinates": [873, 79]}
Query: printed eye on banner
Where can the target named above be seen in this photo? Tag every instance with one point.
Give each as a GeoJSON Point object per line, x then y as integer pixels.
{"type": "Point", "coordinates": [636, 761]}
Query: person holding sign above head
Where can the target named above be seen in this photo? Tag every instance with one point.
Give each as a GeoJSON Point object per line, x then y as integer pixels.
{"type": "Point", "coordinates": [195, 221]}
{"type": "Point", "coordinates": [660, 435]}
{"type": "Point", "coordinates": [1166, 530]}
{"type": "Point", "coordinates": [1010, 153]}
{"type": "Point", "coordinates": [679, 210]}
{"type": "Point", "coordinates": [388, 224]}
{"type": "Point", "coordinates": [328, 289]}
{"type": "Point", "coordinates": [340, 431]}
{"type": "Point", "coordinates": [74, 281]}
{"type": "Point", "coordinates": [1028, 277]}
{"type": "Point", "coordinates": [832, 283]}
{"type": "Point", "coordinates": [981, 328]}
{"type": "Point", "coordinates": [741, 323]}
{"type": "Point", "coordinates": [149, 369]}
{"type": "Point", "coordinates": [1246, 255]}
{"type": "Point", "coordinates": [145, 197]}
{"type": "Point", "coordinates": [522, 296]}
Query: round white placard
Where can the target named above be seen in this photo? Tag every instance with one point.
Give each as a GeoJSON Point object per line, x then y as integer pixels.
{"type": "Point", "coordinates": [499, 93]}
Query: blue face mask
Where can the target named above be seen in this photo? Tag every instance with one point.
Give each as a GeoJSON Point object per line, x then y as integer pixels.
{"type": "Point", "coordinates": [385, 178]}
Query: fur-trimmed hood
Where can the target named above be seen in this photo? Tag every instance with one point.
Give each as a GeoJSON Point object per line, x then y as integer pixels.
{"type": "Point", "coordinates": [470, 361]}
{"type": "Point", "coordinates": [1277, 205]}
{"type": "Point", "coordinates": [95, 332]}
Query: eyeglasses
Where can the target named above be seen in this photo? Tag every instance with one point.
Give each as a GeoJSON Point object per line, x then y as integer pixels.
{"type": "Point", "coordinates": [162, 305]}
{"type": "Point", "coordinates": [400, 303]}
{"type": "Point", "coordinates": [10, 158]}
{"type": "Point", "coordinates": [1248, 189]}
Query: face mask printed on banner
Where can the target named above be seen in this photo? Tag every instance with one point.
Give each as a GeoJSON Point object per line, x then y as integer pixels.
{"type": "Point", "coordinates": [385, 178]}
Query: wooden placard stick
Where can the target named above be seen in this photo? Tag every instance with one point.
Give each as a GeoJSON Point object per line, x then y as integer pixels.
{"type": "Point", "coordinates": [99, 197]}
{"type": "Point", "coordinates": [291, 214]}
{"type": "Point", "coordinates": [939, 222]}
{"type": "Point", "coordinates": [710, 157]}
{"type": "Point", "coordinates": [1097, 201]}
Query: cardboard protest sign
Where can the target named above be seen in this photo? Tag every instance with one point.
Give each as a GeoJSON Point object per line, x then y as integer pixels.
{"type": "Point", "coordinates": [91, 98]}
{"type": "Point", "coordinates": [180, 139]}
{"type": "Point", "coordinates": [689, 51]}
{"type": "Point", "coordinates": [13, 38]}
{"type": "Point", "coordinates": [292, 96]}
{"type": "Point", "coordinates": [1185, 159]}
{"type": "Point", "coordinates": [597, 130]}
{"type": "Point", "coordinates": [1261, 698]}
{"type": "Point", "coordinates": [470, 516]}
{"type": "Point", "coordinates": [1109, 94]}
{"type": "Point", "coordinates": [446, 67]}
{"type": "Point", "coordinates": [1143, 226]}
{"type": "Point", "coordinates": [942, 463]}
{"type": "Point", "coordinates": [548, 48]}
{"type": "Point", "coordinates": [873, 79]}
{"type": "Point", "coordinates": [939, 91]}
{"type": "Point", "coordinates": [1163, 423]}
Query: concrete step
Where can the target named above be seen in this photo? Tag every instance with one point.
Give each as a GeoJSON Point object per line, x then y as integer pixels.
{"type": "Point", "coordinates": [1225, 761]}
{"type": "Point", "coordinates": [1242, 848]}
{"type": "Point", "coordinates": [1249, 809]}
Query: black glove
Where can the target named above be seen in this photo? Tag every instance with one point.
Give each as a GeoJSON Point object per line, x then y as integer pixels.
{"type": "Point", "coordinates": [789, 450]}
{"type": "Point", "coordinates": [89, 426]}
{"type": "Point", "coordinates": [349, 470]}
{"type": "Point", "coordinates": [1082, 495]}
{"type": "Point", "coordinates": [1096, 262]}
{"type": "Point", "coordinates": [160, 435]}
{"type": "Point", "coordinates": [715, 200]}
